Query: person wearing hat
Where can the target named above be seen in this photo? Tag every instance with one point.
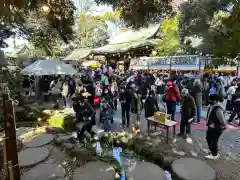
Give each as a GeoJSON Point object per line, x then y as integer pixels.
{"type": "Point", "coordinates": [216, 123]}
{"type": "Point", "coordinates": [188, 112]}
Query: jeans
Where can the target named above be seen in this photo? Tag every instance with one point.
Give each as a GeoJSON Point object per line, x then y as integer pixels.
{"type": "Point", "coordinates": [125, 113]}
{"type": "Point", "coordinates": [213, 135]}
{"type": "Point", "coordinates": [185, 126]}
{"type": "Point", "coordinates": [171, 109]}
{"type": "Point", "coordinates": [236, 111]}
{"type": "Point", "coordinates": [198, 111]}
{"type": "Point", "coordinates": [106, 125]}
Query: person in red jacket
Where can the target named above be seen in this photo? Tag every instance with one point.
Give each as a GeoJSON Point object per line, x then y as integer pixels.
{"type": "Point", "coordinates": [172, 95]}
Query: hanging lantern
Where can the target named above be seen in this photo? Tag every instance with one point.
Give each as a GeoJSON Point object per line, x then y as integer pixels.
{"type": "Point", "coordinates": [147, 47]}
{"type": "Point", "coordinates": [46, 8]}
{"type": "Point", "coordinates": [154, 53]}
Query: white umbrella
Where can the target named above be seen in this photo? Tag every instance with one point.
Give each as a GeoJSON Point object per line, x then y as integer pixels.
{"type": "Point", "coordinates": [48, 67]}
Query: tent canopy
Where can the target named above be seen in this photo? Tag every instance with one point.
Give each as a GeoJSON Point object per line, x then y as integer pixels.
{"type": "Point", "coordinates": [130, 39]}
{"type": "Point", "coordinates": [49, 67]}
{"type": "Point", "coordinates": [78, 54]}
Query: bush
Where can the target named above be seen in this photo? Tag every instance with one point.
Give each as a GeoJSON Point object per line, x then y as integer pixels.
{"type": "Point", "coordinates": [61, 120]}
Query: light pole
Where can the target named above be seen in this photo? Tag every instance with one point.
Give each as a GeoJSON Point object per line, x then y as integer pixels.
{"type": "Point", "coordinates": [199, 62]}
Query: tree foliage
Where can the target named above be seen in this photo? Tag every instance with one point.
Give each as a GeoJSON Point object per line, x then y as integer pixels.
{"type": "Point", "coordinates": [138, 13]}
{"type": "Point", "coordinates": [92, 31]}
{"type": "Point", "coordinates": [216, 23]}
{"type": "Point", "coordinates": [29, 18]}
{"type": "Point", "coordinates": [170, 43]}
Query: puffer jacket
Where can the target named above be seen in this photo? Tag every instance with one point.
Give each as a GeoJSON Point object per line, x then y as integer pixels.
{"type": "Point", "coordinates": [172, 92]}
{"type": "Point", "coordinates": [196, 93]}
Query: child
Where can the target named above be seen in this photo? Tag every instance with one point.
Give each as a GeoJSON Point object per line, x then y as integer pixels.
{"type": "Point", "coordinates": [106, 115]}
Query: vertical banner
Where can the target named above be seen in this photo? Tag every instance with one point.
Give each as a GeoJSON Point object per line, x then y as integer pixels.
{"type": "Point", "coordinates": [116, 155]}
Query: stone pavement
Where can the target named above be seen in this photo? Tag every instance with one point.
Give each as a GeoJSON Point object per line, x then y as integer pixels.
{"type": "Point", "coordinates": [229, 142]}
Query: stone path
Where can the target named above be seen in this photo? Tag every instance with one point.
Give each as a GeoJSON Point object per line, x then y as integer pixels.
{"type": "Point", "coordinates": [193, 169]}
{"type": "Point", "coordinates": [45, 172]}
{"type": "Point", "coordinates": [39, 141]}
{"type": "Point", "coordinates": [146, 170]}
{"type": "Point", "coordinates": [94, 171]}
{"type": "Point", "coordinates": [32, 156]}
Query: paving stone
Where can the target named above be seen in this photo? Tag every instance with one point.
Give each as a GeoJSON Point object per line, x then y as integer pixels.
{"type": "Point", "coordinates": [45, 172]}
{"type": "Point", "coordinates": [32, 156]}
{"type": "Point", "coordinates": [94, 171]}
{"type": "Point", "coordinates": [39, 141]}
{"type": "Point", "coordinates": [193, 169]}
{"type": "Point", "coordinates": [146, 170]}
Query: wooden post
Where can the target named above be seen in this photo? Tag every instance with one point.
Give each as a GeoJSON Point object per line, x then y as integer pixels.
{"type": "Point", "coordinates": [10, 137]}
{"type": "Point", "coordinates": [138, 108]}
{"type": "Point", "coordinates": [10, 170]}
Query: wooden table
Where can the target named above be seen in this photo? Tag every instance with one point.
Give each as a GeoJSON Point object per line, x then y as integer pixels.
{"type": "Point", "coordinates": [167, 125]}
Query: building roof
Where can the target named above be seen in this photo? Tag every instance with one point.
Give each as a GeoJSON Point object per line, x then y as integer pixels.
{"type": "Point", "coordinates": [78, 54]}
{"type": "Point", "coordinates": [131, 39]}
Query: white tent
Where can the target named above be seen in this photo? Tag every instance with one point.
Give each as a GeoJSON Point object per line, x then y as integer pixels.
{"type": "Point", "coordinates": [48, 67]}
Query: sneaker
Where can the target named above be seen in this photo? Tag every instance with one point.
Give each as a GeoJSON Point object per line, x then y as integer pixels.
{"type": "Point", "coordinates": [180, 134]}
{"type": "Point", "coordinates": [189, 140]}
{"type": "Point", "coordinates": [211, 157]}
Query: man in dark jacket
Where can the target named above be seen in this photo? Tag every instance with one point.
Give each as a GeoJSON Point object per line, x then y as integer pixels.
{"type": "Point", "coordinates": [188, 111]}
{"type": "Point", "coordinates": [151, 105]}
{"type": "Point", "coordinates": [125, 100]}
{"type": "Point", "coordinates": [87, 115]}
{"type": "Point", "coordinates": [216, 123]}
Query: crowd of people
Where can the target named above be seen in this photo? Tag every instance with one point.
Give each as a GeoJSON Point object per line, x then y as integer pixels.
{"type": "Point", "coordinates": [102, 88]}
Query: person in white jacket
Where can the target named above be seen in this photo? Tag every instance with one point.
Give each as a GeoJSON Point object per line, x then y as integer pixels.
{"type": "Point", "coordinates": [231, 90]}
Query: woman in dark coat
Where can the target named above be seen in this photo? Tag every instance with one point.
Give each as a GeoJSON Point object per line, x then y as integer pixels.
{"type": "Point", "coordinates": [151, 105]}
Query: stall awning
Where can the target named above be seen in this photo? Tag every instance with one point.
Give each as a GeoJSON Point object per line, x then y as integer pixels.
{"type": "Point", "coordinates": [78, 54]}
{"type": "Point", "coordinates": [48, 67]}
{"type": "Point", "coordinates": [130, 39]}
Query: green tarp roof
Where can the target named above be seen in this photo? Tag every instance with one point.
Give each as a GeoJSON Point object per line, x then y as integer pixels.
{"type": "Point", "coordinates": [78, 54]}
{"type": "Point", "coordinates": [130, 39]}
{"type": "Point", "coordinates": [124, 47]}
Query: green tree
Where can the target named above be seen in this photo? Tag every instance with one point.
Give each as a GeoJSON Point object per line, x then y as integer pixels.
{"type": "Point", "coordinates": [170, 36]}
{"type": "Point", "coordinates": [138, 13]}
{"type": "Point", "coordinates": [58, 14]}
{"type": "Point", "coordinates": [216, 23]}
{"type": "Point", "coordinates": [92, 31]}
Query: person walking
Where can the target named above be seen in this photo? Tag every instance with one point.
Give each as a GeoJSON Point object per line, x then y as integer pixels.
{"type": "Point", "coordinates": [230, 92]}
{"type": "Point", "coordinates": [216, 124]}
{"type": "Point", "coordinates": [188, 112]}
{"type": "Point", "coordinates": [236, 105]}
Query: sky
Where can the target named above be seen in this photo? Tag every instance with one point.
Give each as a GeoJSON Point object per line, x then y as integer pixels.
{"type": "Point", "coordinates": [98, 10]}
